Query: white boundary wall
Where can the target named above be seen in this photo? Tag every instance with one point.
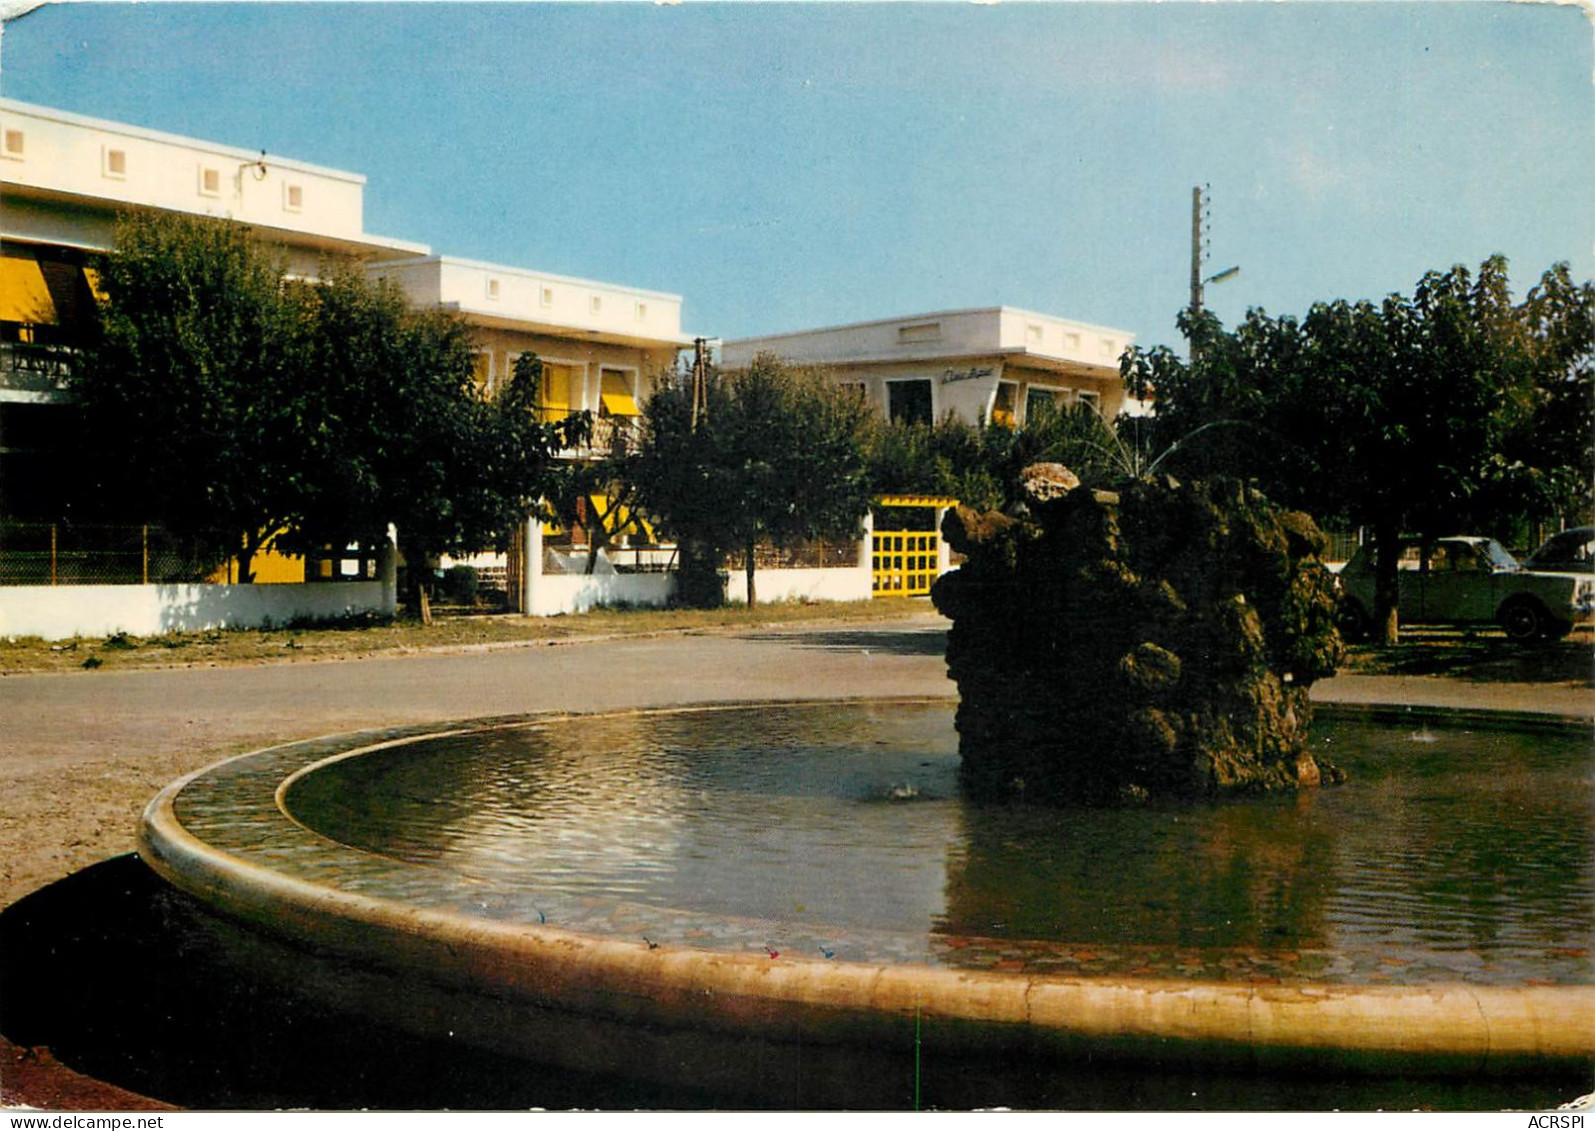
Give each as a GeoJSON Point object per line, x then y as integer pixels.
{"type": "Point", "coordinates": [555, 594]}
{"type": "Point", "coordinates": [62, 612]}
{"type": "Point", "coordinates": [848, 584]}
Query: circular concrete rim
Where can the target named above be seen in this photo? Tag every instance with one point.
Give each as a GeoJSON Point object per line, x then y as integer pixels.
{"type": "Point", "coordinates": [1452, 1029]}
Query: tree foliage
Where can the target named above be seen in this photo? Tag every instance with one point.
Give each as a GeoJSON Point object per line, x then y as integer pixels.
{"type": "Point", "coordinates": [223, 397]}
{"type": "Point", "coordinates": [193, 400]}
{"type": "Point", "coordinates": [408, 437]}
{"type": "Point", "coordinates": [1452, 407]}
{"type": "Point", "coordinates": [777, 457]}
{"type": "Point", "coordinates": [982, 467]}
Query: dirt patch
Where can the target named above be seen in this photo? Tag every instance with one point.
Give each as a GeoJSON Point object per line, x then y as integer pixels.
{"type": "Point", "coordinates": [34, 1078]}
{"type": "Point", "coordinates": [1480, 656]}
{"type": "Point", "coordinates": [372, 638]}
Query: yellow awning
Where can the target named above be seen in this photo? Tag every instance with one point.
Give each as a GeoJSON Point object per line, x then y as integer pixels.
{"type": "Point", "coordinates": [24, 297]}
{"type": "Point", "coordinates": [92, 278]}
{"type": "Point", "coordinates": [617, 517]}
{"type": "Point", "coordinates": [916, 501]}
{"type": "Point", "coordinates": [620, 404]}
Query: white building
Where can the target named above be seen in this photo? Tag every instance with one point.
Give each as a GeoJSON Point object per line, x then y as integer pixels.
{"type": "Point", "coordinates": [64, 179]}
{"type": "Point", "coordinates": [602, 345]}
{"type": "Point", "coordinates": [990, 364]}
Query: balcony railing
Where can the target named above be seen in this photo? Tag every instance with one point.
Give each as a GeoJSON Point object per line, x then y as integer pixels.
{"type": "Point", "coordinates": [609, 433]}
{"type": "Point", "coordinates": [33, 367]}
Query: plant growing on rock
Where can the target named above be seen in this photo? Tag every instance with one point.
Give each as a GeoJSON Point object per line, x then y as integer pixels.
{"type": "Point", "coordinates": [1155, 642]}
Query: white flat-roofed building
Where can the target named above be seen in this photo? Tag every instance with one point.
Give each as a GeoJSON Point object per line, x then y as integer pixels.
{"type": "Point", "coordinates": [602, 346]}
{"type": "Point", "coordinates": [65, 177]}
{"type": "Point", "coordinates": [987, 364]}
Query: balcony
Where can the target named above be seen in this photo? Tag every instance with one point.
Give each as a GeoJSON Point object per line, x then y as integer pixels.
{"type": "Point", "coordinates": [33, 367]}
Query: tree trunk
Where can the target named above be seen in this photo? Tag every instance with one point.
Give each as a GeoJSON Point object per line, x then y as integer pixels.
{"type": "Point", "coordinates": [1386, 627]}
{"type": "Point", "coordinates": [416, 605]}
{"type": "Point", "coordinates": [698, 578]}
{"type": "Point", "coordinates": [246, 562]}
{"type": "Point", "coordinates": [598, 534]}
{"type": "Point", "coordinates": [747, 562]}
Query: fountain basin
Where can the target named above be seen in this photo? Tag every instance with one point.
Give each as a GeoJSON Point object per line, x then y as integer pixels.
{"type": "Point", "coordinates": [480, 939]}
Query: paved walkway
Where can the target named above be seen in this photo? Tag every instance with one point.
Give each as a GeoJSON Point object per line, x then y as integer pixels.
{"type": "Point", "coordinates": [81, 753]}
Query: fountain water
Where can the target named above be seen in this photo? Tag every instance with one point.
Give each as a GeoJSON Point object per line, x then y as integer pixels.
{"type": "Point", "coordinates": [799, 901]}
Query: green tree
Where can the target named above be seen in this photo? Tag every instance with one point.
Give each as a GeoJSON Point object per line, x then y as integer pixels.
{"type": "Point", "coordinates": [1410, 414]}
{"type": "Point", "coordinates": [777, 458]}
{"type": "Point", "coordinates": [982, 466]}
{"type": "Point", "coordinates": [949, 458]}
{"type": "Point", "coordinates": [224, 397]}
{"type": "Point", "coordinates": [407, 436]}
{"type": "Point", "coordinates": [192, 399]}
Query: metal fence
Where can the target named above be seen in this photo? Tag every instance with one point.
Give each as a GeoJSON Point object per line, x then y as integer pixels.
{"type": "Point", "coordinates": [1342, 544]}
{"type": "Point", "coordinates": [800, 555]}
{"type": "Point", "coordinates": [41, 553]}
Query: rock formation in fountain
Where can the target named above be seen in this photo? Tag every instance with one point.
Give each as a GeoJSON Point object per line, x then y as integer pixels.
{"type": "Point", "coordinates": [1156, 642]}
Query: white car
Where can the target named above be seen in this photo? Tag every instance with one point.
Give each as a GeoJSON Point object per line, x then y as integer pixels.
{"type": "Point", "coordinates": [1467, 579]}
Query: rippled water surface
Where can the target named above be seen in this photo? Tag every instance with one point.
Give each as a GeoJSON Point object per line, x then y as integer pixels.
{"type": "Point", "coordinates": [1442, 840]}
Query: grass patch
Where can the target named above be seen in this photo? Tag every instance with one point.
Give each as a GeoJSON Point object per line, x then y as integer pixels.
{"type": "Point", "coordinates": [357, 639]}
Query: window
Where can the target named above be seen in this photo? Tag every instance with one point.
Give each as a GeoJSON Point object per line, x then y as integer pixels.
{"type": "Point", "coordinates": [642, 311]}
{"type": "Point", "coordinates": [919, 332]}
{"type": "Point", "coordinates": [615, 394]}
{"type": "Point", "coordinates": [293, 197]}
{"type": "Point", "coordinates": [1089, 400]}
{"type": "Point", "coordinates": [482, 369]}
{"type": "Point", "coordinates": [210, 181]}
{"type": "Point", "coordinates": [13, 144]}
{"type": "Point", "coordinates": [1003, 404]}
{"type": "Point", "coordinates": [1033, 333]}
{"type": "Point", "coordinates": [1041, 403]}
{"type": "Point", "coordinates": [596, 304]}
{"type": "Point", "coordinates": [1072, 340]}
{"type": "Point", "coordinates": [547, 296]}
{"type": "Point", "coordinates": [1106, 345]}
{"type": "Point", "coordinates": [115, 163]}
{"type": "Point", "coordinates": [555, 400]}
{"type": "Point", "coordinates": [855, 389]}
{"type": "Point", "coordinates": [492, 288]}
{"type": "Point", "coordinates": [909, 402]}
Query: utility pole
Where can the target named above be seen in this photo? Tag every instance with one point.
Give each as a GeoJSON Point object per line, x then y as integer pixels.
{"type": "Point", "coordinates": [1201, 215]}
{"type": "Point", "coordinates": [700, 381]}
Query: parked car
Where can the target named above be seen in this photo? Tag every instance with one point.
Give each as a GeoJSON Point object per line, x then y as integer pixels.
{"type": "Point", "coordinates": [1469, 580]}
{"type": "Point", "coordinates": [1571, 551]}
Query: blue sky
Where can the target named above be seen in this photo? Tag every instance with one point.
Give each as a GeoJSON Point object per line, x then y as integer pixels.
{"type": "Point", "coordinates": [785, 166]}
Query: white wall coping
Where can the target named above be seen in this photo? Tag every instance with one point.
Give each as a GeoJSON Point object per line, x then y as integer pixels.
{"type": "Point", "coordinates": [66, 611]}
{"type": "Point", "coordinates": [910, 319]}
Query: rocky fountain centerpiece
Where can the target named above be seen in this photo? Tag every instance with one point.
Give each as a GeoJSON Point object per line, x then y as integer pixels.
{"type": "Point", "coordinates": [1155, 642]}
